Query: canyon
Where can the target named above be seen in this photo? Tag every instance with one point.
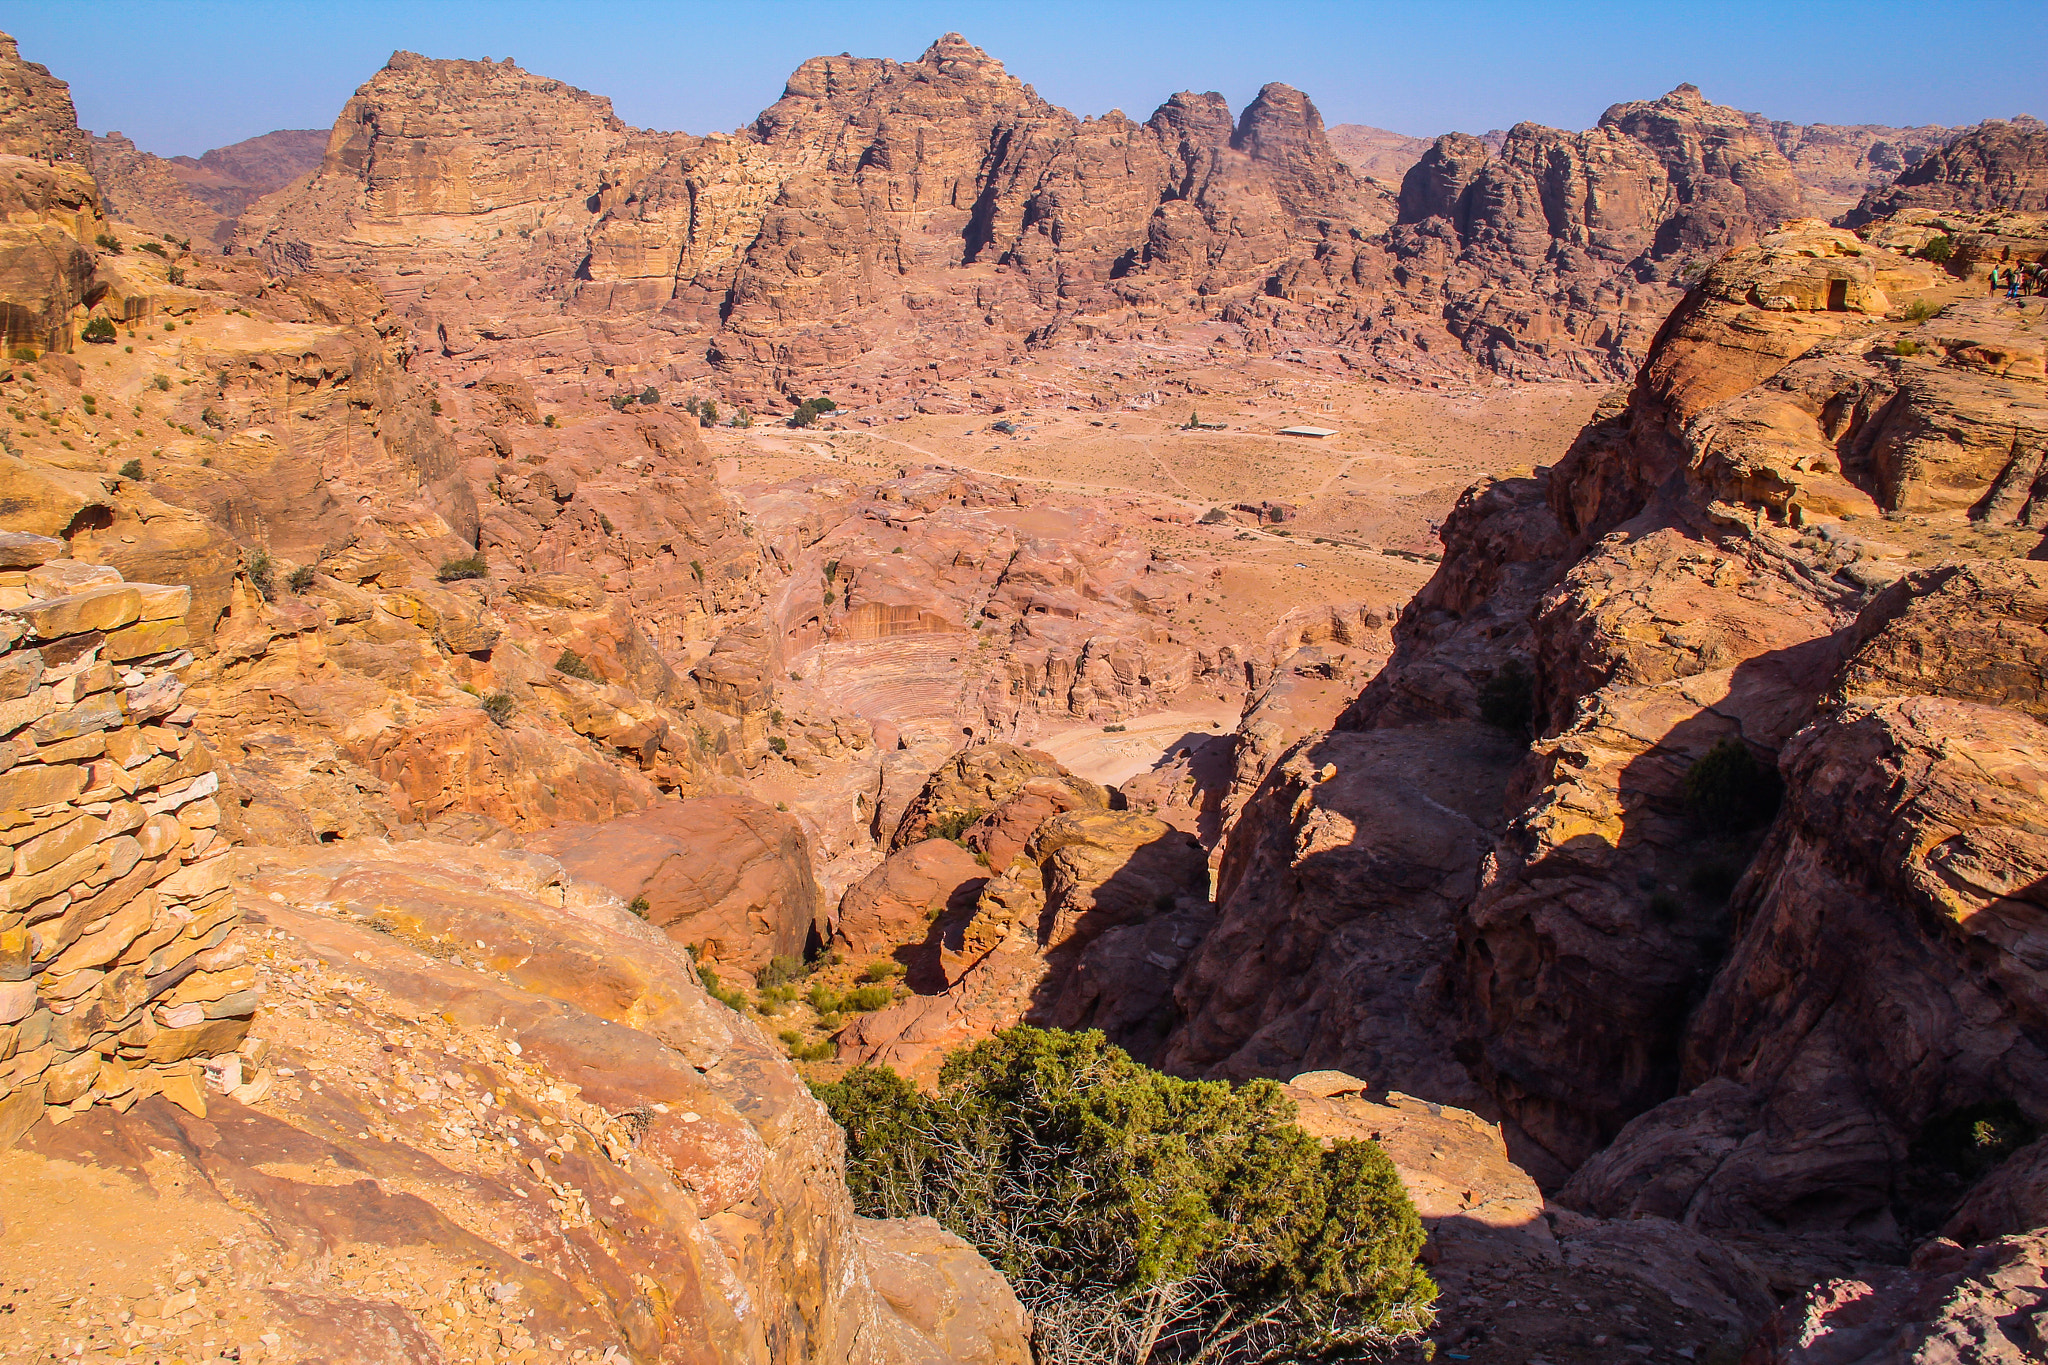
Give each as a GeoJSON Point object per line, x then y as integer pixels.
{"type": "Point", "coordinates": [1535, 641]}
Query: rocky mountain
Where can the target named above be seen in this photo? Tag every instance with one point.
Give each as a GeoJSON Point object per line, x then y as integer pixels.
{"type": "Point", "coordinates": [1376, 153]}
{"type": "Point", "coordinates": [200, 198]}
{"type": "Point", "coordinates": [1998, 165]}
{"type": "Point", "coordinates": [1541, 868]}
{"type": "Point", "coordinates": [815, 250]}
{"type": "Point", "coordinates": [1660, 885]}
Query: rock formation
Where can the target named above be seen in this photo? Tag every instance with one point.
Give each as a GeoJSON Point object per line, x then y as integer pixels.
{"type": "Point", "coordinates": [1997, 165]}
{"type": "Point", "coordinates": [200, 198]}
{"type": "Point", "coordinates": [816, 249]}
{"type": "Point", "coordinates": [1697, 571]}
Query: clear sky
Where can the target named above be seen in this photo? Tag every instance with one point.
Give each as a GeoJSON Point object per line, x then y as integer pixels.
{"type": "Point", "coordinates": [182, 77]}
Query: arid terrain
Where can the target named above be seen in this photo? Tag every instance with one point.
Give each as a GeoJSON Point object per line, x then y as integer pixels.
{"type": "Point", "coordinates": [477, 741]}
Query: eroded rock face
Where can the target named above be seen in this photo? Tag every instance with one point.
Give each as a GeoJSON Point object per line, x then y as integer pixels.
{"type": "Point", "coordinates": [1998, 165]}
{"type": "Point", "coordinates": [1951, 1304]}
{"type": "Point", "coordinates": [1084, 928]}
{"type": "Point", "coordinates": [724, 874]}
{"type": "Point", "coordinates": [49, 207]}
{"type": "Point", "coordinates": [200, 197]}
{"type": "Point", "coordinates": [886, 227]}
{"type": "Point", "coordinates": [540, 1115]}
{"type": "Point", "coordinates": [1709, 563]}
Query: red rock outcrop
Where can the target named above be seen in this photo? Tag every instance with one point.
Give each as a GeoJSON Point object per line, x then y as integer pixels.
{"type": "Point", "coordinates": [1084, 929]}
{"type": "Point", "coordinates": [549, 1138]}
{"type": "Point", "coordinates": [1951, 1304]}
{"type": "Point", "coordinates": [1693, 571]}
{"type": "Point", "coordinates": [723, 874]}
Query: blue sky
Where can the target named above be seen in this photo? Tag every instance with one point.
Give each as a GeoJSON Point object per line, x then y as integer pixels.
{"type": "Point", "coordinates": [183, 77]}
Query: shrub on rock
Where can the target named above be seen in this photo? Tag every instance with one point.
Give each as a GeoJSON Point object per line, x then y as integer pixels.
{"type": "Point", "coordinates": [1140, 1216]}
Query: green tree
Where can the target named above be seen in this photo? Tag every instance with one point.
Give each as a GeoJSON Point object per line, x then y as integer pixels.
{"type": "Point", "coordinates": [100, 330]}
{"type": "Point", "coordinates": [810, 410]}
{"type": "Point", "coordinates": [707, 414]}
{"type": "Point", "coordinates": [1139, 1216]}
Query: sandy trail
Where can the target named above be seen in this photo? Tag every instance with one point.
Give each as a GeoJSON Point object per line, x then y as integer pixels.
{"type": "Point", "coordinates": [1112, 757]}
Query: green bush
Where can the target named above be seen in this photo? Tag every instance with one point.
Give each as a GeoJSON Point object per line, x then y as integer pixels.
{"type": "Point", "coordinates": [300, 579]}
{"type": "Point", "coordinates": [454, 569]}
{"type": "Point", "coordinates": [731, 999]}
{"type": "Point", "coordinates": [100, 330]}
{"type": "Point", "coordinates": [1972, 1141]}
{"type": "Point", "coordinates": [1938, 249]}
{"type": "Point", "coordinates": [954, 823]}
{"type": "Point", "coordinates": [1141, 1216]}
{"type": "Point", "coordinates": [153, 248]}
{"type": "Point", "coordinates": [639, 906]}
{"type": "Point", "coordinates": [781, 969]}
{"type": "Point", "coordinates": [162, 382]}
{"type": "Point", "coordinates": [260, 572]}
{"type": "Point", "coordinates": [823, 998]}
{"type": "Point", "coordinates": [572, 663]}
{"type": "Point", "coordinates": [499, 706]}
{"type": "Point", "coordinates": [649, 396]}
{"type": "Point", "coordinates": [107, 244]}
{"type": "Point", "coordinates": [132, 470]}
{"type": "Point", "coordinates": [176, 275]}
{"type": "Point", "coordinates": [1215, 516]}
{"type": "Point", "coordinates": [1728, 790]}
{"type": "Point", "coordinates": [707, 414]}
{"type": "Point", "coordinates": [778, 744]}
{"type": "Point", "coordinates": [881, 969]}
{"type": "Point", "coordinates": [1507, 700]}
{"type": "Point", "coordinates": [862, 999]}
{"type": "Point", "coordinates": [810, 410]}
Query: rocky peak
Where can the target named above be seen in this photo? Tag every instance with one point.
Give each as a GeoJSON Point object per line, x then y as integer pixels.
{"type": "Point", "coordinates": [1712, 152]}
{"type": "Point", "coordinates": [1282, 125]}
{"type": "Point", "coordinates": [1435, 186]}
{"type": "Point", "coordinates": [1996, 165]}
{"type": "Point", "coordinates": [953, 55]}
{"type": "Point", "coordinates": [1200, 120]}
{"type": "Point", "coordinates": [36, 115]}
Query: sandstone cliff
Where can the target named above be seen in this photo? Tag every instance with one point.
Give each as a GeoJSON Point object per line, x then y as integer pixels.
{"type": "Point", "coordinates": [1754, 548]}
{"type": "Point", "coordinates": [887, 225]}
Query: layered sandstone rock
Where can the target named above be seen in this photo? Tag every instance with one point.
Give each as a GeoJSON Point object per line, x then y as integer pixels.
{"type": "Point", "coordinates": [1691, 573]}
{"type": "Point", "coordinates": [124, 971]}
{"type": "Point", "coordinates": [49, 207]}
{"type": "Point", "coordinates": [550, 1135]}
{"type": "Point", "coordinates": [1084, 928]}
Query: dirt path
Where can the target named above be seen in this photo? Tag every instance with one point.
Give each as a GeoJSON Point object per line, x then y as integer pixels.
{"type": "Point", "coordinates": [1113, 757]}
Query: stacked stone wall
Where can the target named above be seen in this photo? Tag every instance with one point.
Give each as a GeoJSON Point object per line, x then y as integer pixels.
{"type": "Point", "coordinates": [122, 973]}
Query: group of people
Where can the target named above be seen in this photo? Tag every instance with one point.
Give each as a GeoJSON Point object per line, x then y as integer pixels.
{"type": "Point", "coordinates": [2020, 279]}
